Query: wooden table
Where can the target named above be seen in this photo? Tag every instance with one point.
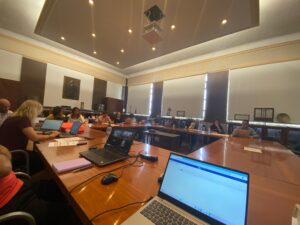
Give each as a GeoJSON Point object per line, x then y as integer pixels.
{"type": "Point", "coordinates": [274, 178]}
{"type": "Point", "coordinates": [162, 139]}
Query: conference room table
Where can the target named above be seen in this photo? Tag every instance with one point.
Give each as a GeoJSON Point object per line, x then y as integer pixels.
{"type": "Point", "coordinates": [274, 178]}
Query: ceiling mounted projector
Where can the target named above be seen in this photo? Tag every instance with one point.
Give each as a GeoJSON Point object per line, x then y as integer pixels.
{"type": "Point", "coordinates": [152, 30]}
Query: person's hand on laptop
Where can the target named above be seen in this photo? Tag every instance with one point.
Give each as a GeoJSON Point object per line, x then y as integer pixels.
{"type": "Point", "coordinates": [54, 134]}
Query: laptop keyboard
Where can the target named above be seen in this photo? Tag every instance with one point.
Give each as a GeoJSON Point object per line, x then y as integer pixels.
{"type": "Point", "coordinates": [101, 155]}
{"type": "Point", "coordinates": [160, 214]}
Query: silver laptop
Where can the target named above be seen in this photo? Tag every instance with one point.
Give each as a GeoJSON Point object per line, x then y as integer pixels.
{"type": "Point", "coordinates": [196, 192]}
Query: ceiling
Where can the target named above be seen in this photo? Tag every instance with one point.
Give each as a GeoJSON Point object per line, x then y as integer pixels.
{"type": "Point", "coordinates": [198, 27]}
{"type": "Point", "coordinates": [196, 21]}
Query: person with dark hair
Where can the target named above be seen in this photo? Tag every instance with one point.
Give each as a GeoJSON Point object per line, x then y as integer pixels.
{"type": "Point", "coordinates": [217, 127]}
{"type": "Point", "coordinates": [131, 119]}
{"type": "Point", "coordinates": [118, 118]}
{"type": "Point", "coordinates": [244, 130]}
{"type": "Point", "coordinates": [57, 114]}
{"type": "Point", "coordinates": [4, 110]}
{"type": "Point", "coordinates": [104, 118]}
{"type": "Point", "coordinates": [75, 116]}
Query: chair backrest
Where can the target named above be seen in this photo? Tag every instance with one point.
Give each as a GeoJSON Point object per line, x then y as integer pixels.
{"type": "Point", "coordinates": [25, 155]}
{"type": "Point", "coordinates": [17, 215]}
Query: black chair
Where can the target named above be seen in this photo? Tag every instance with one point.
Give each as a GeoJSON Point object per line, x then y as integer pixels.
{"type": "Point", "coordinates": [24, 167]}
{"type": "Point", "coordinates": [19, 215]}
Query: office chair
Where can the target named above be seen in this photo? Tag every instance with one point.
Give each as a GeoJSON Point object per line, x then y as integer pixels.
{"type": "Point", "coordinates": [19, 215]}
{"type": "Point", "coordinates": [21, 153]}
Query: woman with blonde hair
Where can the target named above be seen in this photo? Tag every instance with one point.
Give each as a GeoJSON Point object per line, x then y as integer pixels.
{"type": "Point", "coordinates": [18, 129]}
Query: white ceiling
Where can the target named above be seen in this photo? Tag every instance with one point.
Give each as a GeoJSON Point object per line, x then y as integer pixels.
{"type": "Point", "coordinates": [277, 18]}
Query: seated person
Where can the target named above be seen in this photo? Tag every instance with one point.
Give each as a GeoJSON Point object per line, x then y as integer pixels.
{"type": "Point", "coordinates": [57, 114]}
{"type": "Point", "coordinates": [104, 118]}
{"type": "Point", "coordinates": [18, 129]}
{"type": "Point", "coordinates": [217, 127]}
{"type": "Point", "coordinates": [118, 118]}
{"type": "Point", "coordinates": [131, 119]}
{"type": "Point", "coordinates": [19, 195]}
{"type": "Point", "coordinates": [4, 110]}
{"type": "Point", "coordinates": [244, 130]}
{"type": "Point", "coordinates": [158, 120]}
{"type": "Point", "coordinates": [173, 123]}
{"type": "Point", "coordinates": [76, 116]}
{"type": "Point", "coordinates": [192, 124]}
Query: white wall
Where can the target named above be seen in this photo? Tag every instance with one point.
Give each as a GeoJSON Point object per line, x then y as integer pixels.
{"type": "Point", "coordinates": [114, 90]}
{"type": "Point", "coordinates": [184, 94]}
{"type": "Point", "coordinates": [10, 65]}
{"type": "Point", "coordinates": [54, 87]}
{"type": "Point", "coordinates": [139, 99]}
{"type": "Point", "coordinates": [268, 86]}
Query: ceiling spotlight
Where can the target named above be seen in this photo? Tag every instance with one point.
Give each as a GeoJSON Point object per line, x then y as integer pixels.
{"type": "Point", "coordinates": [122, 50]}
{"type": "Point", "coordinates": [173, 27]}
{"type": "Point", "coordinates": [117, 62]}
{"type": "Point", "coordinates": [153, 48]}
{"type": "Point", "coordinates": [93, 35]}
{"type": "Point", "coordinates": [62, 38]}
{"type": "Point", "coordinates": [224, 22]}
{"type": "Point", "coordinates": [91, 2]}
{"type": "Point", "coordinates": [95, 53]}
{"type": "Point", "coordinates": [129, 31]}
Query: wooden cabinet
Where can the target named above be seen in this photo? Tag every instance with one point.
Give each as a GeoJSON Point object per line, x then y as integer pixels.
{"type": "Point", "coordinates": [113, 105]}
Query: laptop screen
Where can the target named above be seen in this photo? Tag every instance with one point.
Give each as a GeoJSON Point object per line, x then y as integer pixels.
{"type": "Point", "coordinates": [75, 127]}
{"type": "Point", "coordinates": [51, 125]}
{"type": "Point", "coordinates": [120, 140]}
{"type": "Point", "coordinates": [209, 191]}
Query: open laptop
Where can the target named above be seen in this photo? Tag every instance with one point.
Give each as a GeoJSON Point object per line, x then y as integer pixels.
{"type": "Point", "coordinates": [73, 131]}
{"type": "Point", "coordinates": [116, 148]}
{"type": "Point", "coordinates": [196, 192]}
{"type": "Point", "coordinates": [50, 125]}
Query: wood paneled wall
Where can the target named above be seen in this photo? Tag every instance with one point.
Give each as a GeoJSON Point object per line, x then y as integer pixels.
{"type": "Point", "coordinates": [157, 98]}
{"type": "Point", "coordinates": [216, 96]}
{"type": "Point", "coordinates": [10, 90]}
{"type": "Point", "coordinates": [33, 78]}
{"type": "Point", "coordinates": [99, 92]}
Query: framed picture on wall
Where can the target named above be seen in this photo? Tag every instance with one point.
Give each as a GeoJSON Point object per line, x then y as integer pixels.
{"type": "Point", "coordinates": [241, 117]}
{"type": "Point", "coordinates": [180, 113]}
{"type": "Point", "coordinates": [71, 88]}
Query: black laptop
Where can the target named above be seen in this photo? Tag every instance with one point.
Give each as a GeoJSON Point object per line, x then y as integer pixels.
{"type": "Point", "coordinates": [116, 148]}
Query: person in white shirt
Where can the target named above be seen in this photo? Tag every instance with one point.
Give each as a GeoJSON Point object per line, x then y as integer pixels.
{"type": "Point", "coordinates": [4, 110]}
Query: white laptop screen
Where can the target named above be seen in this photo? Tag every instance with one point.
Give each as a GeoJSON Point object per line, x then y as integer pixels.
{"type": "Point", "coordinates": [213, 191]}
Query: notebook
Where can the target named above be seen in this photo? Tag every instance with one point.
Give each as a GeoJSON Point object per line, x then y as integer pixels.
{"type": "Point", "coordinates": [196, 192]}
{"type": "Point", "coordinates": [116, 148]}
{"type": "Point", "coordinates": [71, 165]}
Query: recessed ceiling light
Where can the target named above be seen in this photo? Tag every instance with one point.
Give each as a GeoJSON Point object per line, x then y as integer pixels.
{"type": "Point", "coordinates": [224, 22]}
{"type": "Point", "coordinates": [122, 50]}
{"type": "Point", "coordinates": [93, 35]}
{"type": "Point", "coordinates": [129, 31]}
{"type": "Point", "coordinates": [62, 38]}
{"type": "Point", "coordinates": [91, 2]}
{"type": "Point", "coordinates": [173, 27]}
{"type": "Point", "coordinates": [153, 48]}
{"type": "Point", "coordinates": [117, 62]}
{"type": "Point", "coordinates": [95, 53]}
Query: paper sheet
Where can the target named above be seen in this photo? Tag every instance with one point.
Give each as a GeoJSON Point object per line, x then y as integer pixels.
{"type": "Point", "coordinates": [250, 149]}
{"type": "Point", "coordinates": [73, 141]}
